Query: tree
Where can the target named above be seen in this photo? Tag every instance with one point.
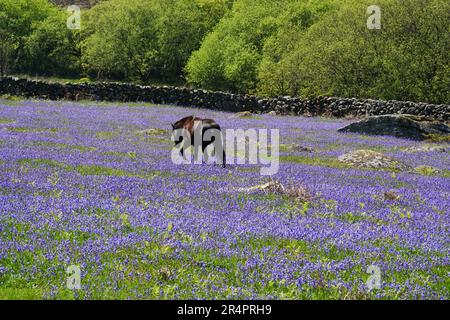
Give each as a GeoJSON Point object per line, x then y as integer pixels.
{"type": "Point", "coordinates": [52, 48]}
{"type": "Point", "coordinates": [276, 74]}
{"type": "Point", "coordinates": [407, 59]}
{"type": "Point", "coordinates": [149, 40]}
{"type": "Point", "coordinates": [229, 56]}
{"type": "Point", "coordinates": [7, 46]}
{"type": "Point", "coordinates": [16, 24]}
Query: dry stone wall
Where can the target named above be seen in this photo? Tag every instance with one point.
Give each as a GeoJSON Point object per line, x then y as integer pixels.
{"type": "Point", "coordinates": [109, 91]}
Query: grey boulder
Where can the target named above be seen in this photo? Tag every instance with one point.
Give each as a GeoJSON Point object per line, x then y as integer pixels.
{"type": "Point", "coordinates": [399, 125]}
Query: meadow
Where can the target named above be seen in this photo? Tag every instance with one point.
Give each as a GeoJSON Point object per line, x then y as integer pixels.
{"type": "Point", "coordinates": [92, 184]}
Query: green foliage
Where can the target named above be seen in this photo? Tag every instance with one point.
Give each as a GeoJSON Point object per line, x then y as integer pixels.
{"type": "Point", "coordinates": [229, 56]}
{"type": "Point", "coordinates": [145, 40]}
{"type": "Point", "coordinates": [311, 48]}
{"type": "Point", "coordinates": [52, 48]}
{"type": "Point", "coordinates": [17, 18]}
{"type": "Point", "coordinates": [426, 170]}
{"type": "Point", "coordinates": [407, 59]}
{"type": "Point", "coordinates": [276, 74]}
{"type": "Point", "coordinates": [271, 48]}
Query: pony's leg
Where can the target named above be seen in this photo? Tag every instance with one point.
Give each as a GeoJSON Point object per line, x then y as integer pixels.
{"type": "Point", "coordinates": [197, 154]}
{"type": "Point", "coordinates": [204, 153]}
{"type": "Point", "coordinates": [183, 147]}
{"type": "Point", "coordinates": [224, 159]}
{"type": "Point", "coordinates": [182, 142]}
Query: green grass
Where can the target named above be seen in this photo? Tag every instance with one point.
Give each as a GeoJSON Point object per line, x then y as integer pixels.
{"type": "Point", "coordinates": [10, 97]}
{"type": "Point", "coordinates": [315, 161]}
{"type": "Point", "coordinates": [21, 294]}
{"type": "Point", "coordinates": [129, 154]}
{"type": "Point", "coordinates": [6, 120]}
{"type": "Point", "coordinates": [35, 163]}
{"type": "Point", "coordinates": [106, 135]}
{"type": "Point", "coordinates": [431, 171]}
{"type": "Point", "coordinates": [355, 217]}
{"type": "Point", "coordinates": [162, 272]}
{"type": "Point", "coordinates": [29, 129]}
{"type": "Point", "coordinates": [158, 274]}
{"type": "Point", "coordinates": [445, 173]}
{"type": "Point", "coordinates": [272, 203]}
{"type": "Point", "coordinates": [329, 162]}
{"type": "Point", "coordinates": [62, 146]}
{"type": "Point", "coordinates": [438, 138]}
{"type": "Point", "coordinates": [89, 170]}
{"type": "Point", "coordinates": [93, 170]}
{"type": "Point", "coordinates": [426, 170]}
{"type": "Point", "coordinates": [52, 79]}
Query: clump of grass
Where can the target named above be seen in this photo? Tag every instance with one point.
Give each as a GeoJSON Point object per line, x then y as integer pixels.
{"type": "Point", "coordinates": [93, 170]}
{"type": "Point", "coordinates": [165, 273]}
{"type": "Point", "coordinates": [130, 154]}
{"type": "Point", "coordinates": [438, 137]}
{"type": "Point", "coordinates": [10, 97]}
{"type": "Point", "coordinates": [34, 163]}
{"type": "Point", "coordinates": [62, 145]}
{"type": "Point", "coordinates": [295, 148]}
{"type": "Point", "coordinates": [154, 132]}
{"type": "Point", "coordinates": [316, 161]}
{"type": "Point", "coordinates": [28, 129]}
{"type": "Point", "coordinates": [426, 170]}
{"type": "Point", "coordinates": [6, 120]}
{"type": "Point", "coordinates": [105, 135]}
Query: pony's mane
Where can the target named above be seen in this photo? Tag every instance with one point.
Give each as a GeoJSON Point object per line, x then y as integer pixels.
{"type": "Point", "coordinates": [182, 122]}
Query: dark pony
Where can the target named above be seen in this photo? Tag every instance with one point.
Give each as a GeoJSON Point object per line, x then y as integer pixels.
{"type": "Point", "coordinates": [190, 124]}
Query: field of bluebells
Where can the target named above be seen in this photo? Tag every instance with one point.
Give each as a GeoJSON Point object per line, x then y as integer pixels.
{"type": "Point", "coordinates": [92, 184]}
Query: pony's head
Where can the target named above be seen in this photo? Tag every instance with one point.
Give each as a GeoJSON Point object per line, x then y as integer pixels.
{"type": "Point", "coordinates": [181, 123]}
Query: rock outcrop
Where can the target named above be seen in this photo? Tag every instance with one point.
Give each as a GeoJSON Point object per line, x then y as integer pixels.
{"type": "Point", "coordinates": [399, 125]}
{"type": "Point", "coordinates": [371, 159]}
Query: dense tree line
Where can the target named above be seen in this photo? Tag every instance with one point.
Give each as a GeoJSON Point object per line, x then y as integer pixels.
{"type": "Point", "coordinates": [265, 47]}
